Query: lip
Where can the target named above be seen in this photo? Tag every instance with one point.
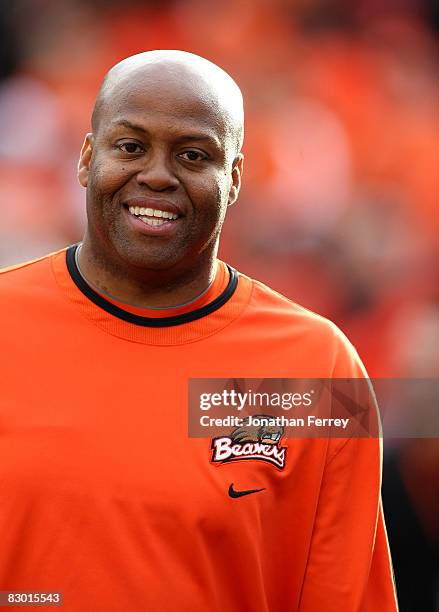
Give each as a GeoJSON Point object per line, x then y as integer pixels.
{"type": "Point", "coordinates": [155, 203]}
{"type": "Point", "coordinates": [165, 231]}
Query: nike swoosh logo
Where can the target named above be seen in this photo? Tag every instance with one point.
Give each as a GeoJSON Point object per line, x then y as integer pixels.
{"type": "Point", "coordinates": [234, 493]}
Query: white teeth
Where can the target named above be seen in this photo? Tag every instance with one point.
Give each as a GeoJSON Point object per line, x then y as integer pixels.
{"type": "Point", "coordinates": [152, 213]}
{"type": "Point", "coordinates": [152, 221]}
{"type": "Point", "coordinates": [168, 215]}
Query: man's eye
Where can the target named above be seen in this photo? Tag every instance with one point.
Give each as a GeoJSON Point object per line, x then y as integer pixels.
{"type": "Point", "coordinates": [130, 147]}
{"type": "Point", "coordinates": [193, 155]}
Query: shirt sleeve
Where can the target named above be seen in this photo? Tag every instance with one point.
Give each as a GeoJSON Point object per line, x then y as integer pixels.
{"type": "Point", "coordinates": [349, 567]}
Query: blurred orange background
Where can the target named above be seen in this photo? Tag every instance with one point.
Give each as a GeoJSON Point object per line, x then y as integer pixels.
{"type": "Point", "coordinates": [339, 207]}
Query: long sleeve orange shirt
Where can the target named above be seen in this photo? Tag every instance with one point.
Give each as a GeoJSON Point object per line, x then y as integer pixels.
{"type": "Point", "coordinates": [105, 498]}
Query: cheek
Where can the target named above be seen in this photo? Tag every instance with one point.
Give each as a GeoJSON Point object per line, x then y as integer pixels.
{"type": "Point", "coordinates": [106, 178]}
{"type": "Point", "coordinates": [224, 188]}
{"type": "Point", "coordinates": [211, 192]}
{"type": "Point", "coordinates": [222, 195]}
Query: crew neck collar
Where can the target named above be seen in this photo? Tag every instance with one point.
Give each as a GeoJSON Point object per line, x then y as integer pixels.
{"type": "Point", "coordinates": [213, 290]}
{"type": "Point", "coordinates": [179, 329]}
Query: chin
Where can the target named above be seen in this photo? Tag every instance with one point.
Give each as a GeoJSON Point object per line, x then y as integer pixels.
{"type": "Point", "coordinates": [146, 260]}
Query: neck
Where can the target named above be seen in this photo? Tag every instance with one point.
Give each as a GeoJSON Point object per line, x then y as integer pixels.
{"type": "Point", "coordinates": [149, 288]}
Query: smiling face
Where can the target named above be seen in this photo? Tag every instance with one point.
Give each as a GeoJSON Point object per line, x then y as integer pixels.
{"type": "Point", "coordinates": [160, 169]}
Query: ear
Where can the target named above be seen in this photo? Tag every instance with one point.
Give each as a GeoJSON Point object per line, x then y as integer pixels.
{"type": "Point", "coordinates": [237, 170]}
{"type": "Point", "coordinates": [84, 159]}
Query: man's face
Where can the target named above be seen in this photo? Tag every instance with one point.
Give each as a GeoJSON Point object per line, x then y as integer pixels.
{"type": "Point", "coordinates": [160, 171]}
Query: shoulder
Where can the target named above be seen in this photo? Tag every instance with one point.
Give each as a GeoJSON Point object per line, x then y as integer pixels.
{"type": "Point", "coordinates": [30, 299]}
{"type": "Point", "coordinates": [30, 265]}
{"type": "Point", "coordinates": [26, 275]}
{"type": "Point", "coordinates": [271, 304]}
{"type": "Point", "coordinates": [313, 333]}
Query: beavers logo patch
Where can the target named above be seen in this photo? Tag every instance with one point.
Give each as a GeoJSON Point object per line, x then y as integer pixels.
{"type": "Point", "coordinates": [251, 442]}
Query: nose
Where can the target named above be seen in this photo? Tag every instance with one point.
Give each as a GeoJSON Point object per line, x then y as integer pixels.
{"type": "Point", "coordinates": [157, 172]}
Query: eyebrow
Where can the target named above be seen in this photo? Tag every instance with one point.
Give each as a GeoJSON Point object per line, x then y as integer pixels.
{"type": "Point", "coordinates": [184, 137]}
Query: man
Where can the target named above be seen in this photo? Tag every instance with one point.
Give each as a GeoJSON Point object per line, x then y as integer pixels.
{"type": "Point", "coordinates": [104, 497]}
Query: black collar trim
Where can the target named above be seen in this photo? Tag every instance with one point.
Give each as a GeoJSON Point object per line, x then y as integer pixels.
{"type": "Point", "coordinates": [114, 310]}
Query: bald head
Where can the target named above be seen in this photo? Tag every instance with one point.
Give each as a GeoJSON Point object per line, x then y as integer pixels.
{"type": "Point", "coordinates": [174, 72]}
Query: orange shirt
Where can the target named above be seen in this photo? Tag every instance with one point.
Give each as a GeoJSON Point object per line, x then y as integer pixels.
{"type": "Point", "coordinates": [104, 497]}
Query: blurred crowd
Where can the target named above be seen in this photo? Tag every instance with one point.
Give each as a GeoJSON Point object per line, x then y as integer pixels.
{"type": "Point", "coordinates": [339, 207]}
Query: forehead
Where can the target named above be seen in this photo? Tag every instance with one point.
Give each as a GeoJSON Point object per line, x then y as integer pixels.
{"type": "Point", "coordinates": [168, 99]}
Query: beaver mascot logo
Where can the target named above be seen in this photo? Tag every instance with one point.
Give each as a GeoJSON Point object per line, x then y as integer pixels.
{"type": "Point", "coordinates": [256, 439]}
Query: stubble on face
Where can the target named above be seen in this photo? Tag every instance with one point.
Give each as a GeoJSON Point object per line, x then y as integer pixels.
{"type": "Point", "coordinates": [122, 252]}
{"type": "Point", "coordinates": [175, 114]}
